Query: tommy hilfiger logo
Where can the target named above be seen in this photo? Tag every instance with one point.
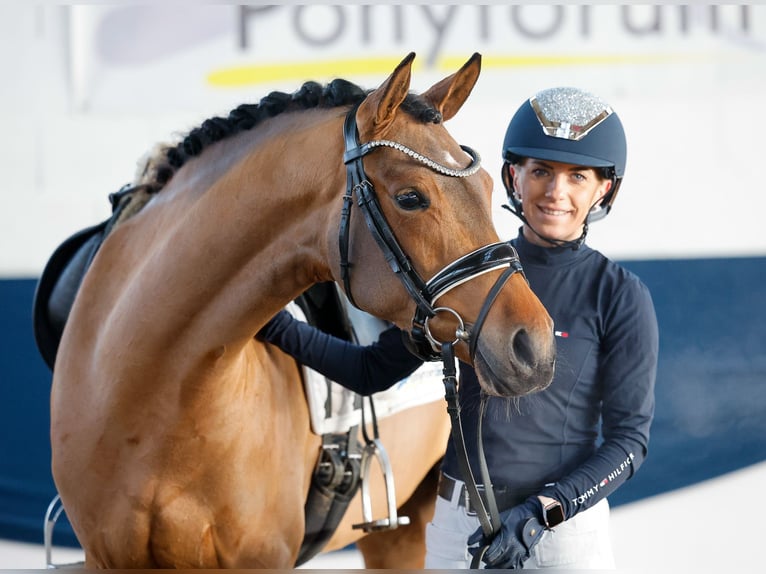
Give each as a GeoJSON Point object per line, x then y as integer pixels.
{"type": "Point", "coordinates": [612, 476]}
{"type": "Point", "coordinates": [562, 334]}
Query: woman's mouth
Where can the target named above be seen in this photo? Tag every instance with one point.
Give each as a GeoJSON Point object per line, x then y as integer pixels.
{"type": "Point", "coordinates": [552, 212]}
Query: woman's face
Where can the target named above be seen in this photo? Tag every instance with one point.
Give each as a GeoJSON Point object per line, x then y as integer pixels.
{"type": "Point", "coordinates": [556, 197]}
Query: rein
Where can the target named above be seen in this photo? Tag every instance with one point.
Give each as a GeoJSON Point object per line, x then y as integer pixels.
{"type": "Point", "coordinates": [489, 515]}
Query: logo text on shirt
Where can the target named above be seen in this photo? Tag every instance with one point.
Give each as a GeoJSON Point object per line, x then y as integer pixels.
{"type": "Point", "coordinates": [593, 491]}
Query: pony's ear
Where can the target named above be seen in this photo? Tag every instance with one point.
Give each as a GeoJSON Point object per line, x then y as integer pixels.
{"type": "Point", "coordinates": [450, 94]}
{"type": "Point", "coordinates": [377, 111]}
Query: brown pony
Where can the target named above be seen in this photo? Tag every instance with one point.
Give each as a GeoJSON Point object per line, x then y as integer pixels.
{"type": "Point", "coordinates": [180, 440]}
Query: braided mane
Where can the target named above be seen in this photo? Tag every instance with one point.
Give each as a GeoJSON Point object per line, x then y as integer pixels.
{"type": "Point", "coordinates": [159, 166]}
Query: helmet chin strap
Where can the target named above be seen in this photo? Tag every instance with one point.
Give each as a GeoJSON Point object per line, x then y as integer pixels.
{"type": "Point", "coordinates": [572, 243]}
{"type": "Point", "coordinates": [515, 208]}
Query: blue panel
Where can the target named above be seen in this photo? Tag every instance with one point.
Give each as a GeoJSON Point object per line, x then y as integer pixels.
{"type": "Point", "coordinates": [711, 387]}
{"type": "Point", "coordinates": [26, 484]}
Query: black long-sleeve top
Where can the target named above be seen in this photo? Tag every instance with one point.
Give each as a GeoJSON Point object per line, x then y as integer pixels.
{"type": "Point", "coordinates": [576, 441]}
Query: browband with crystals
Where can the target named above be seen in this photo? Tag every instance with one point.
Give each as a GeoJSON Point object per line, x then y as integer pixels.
{"type": "Point", "coordinates": [468, 171]}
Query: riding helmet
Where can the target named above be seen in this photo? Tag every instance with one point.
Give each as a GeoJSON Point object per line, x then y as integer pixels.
{"type": "Point", "coordinates": [568, 125]}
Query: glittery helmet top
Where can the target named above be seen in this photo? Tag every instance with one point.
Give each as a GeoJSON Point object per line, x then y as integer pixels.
{"type": "Point", "coordinates": [567, 125]}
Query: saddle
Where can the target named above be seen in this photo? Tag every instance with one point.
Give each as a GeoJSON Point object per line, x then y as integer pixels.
{"type": "Point", "coordinates": [343, 460]}
{"type": "Point", "coordinates": [66, 268]}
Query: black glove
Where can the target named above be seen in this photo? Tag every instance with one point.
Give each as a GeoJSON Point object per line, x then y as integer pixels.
{"type": "Point", "coordinates": [522, 527]}
{"type": "Point", "coordinates": [276, 325]}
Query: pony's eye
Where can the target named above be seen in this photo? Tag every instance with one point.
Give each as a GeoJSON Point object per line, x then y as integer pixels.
{"type": "Point", "coordinates": [411, 200]}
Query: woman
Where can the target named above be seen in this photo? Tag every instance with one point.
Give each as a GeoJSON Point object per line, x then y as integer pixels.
{"type": "Point", "coordinates": [555, 456]}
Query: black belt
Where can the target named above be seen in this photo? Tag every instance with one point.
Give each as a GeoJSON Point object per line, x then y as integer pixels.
{"type": "Point", "coordinates": [505, 497]}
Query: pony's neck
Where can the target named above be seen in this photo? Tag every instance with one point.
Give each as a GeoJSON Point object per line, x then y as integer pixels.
{"type": "Point", "coordinates": [253, 237]}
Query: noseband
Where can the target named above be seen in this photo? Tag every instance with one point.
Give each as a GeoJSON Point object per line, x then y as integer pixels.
{"type": "Point", "coordinates": [424, 293]}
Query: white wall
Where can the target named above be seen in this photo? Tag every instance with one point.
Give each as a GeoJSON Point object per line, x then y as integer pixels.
{"type": "Point", "coordinates": [88, 89]}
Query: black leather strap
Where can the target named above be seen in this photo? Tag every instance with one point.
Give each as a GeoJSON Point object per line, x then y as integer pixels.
{"type": "Point", "coordinates": [487, 305]}
{"type": "Point", "coordinates": [356, 182]}
{"type": "Point", "coordinates": [453, 408]}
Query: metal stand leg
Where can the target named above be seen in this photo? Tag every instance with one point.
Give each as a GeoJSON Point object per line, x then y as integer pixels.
{"type": "Point", "coordinates": [55, 508]}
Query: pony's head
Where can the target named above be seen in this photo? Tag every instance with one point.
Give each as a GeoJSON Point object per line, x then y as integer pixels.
{"type": "Point", "coordinates": [426, 213]}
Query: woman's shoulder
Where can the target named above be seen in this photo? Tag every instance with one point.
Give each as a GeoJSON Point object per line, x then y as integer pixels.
{"type": "Point", "coordinates": [616, 277]}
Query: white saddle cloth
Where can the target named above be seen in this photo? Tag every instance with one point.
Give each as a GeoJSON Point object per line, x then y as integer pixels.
{"type": "Point", "coordinates": [334, 408]}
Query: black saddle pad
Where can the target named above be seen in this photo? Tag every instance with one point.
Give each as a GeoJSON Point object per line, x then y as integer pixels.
{"type": "Point", "coordinates": [58, 285]}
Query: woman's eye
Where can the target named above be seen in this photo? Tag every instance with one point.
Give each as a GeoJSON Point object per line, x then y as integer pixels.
{"type": "Point", "coordinates": [411, 200]}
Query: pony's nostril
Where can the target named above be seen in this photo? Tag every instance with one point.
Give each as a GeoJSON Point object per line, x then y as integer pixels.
{"type": "Point", "coordinates": [522, 348]}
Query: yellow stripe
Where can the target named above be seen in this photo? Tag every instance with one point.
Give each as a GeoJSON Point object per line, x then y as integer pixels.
{"type": "Point", "coordinates": [453, 63]}
{"type": "Point", "coordinates": [261, 74]}
{"type": "Point", "coordinates": [239, 76]}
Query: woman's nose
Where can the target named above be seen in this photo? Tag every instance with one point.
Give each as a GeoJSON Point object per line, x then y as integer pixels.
{"type": "Point", "coordinates": [556, 188]}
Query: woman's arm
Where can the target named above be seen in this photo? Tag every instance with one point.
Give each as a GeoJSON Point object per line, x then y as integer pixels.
{"type": "Point", "coordinates": [362, 369]}
{"type": "Point", "coordinates": [628, 371]}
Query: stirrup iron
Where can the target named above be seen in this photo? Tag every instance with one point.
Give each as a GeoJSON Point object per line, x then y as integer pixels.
{"type": "Point", "coordinates": [374, 448]}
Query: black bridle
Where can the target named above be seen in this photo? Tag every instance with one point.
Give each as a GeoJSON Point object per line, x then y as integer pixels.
{"type": "Point", "coordinates": [424, 293]}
